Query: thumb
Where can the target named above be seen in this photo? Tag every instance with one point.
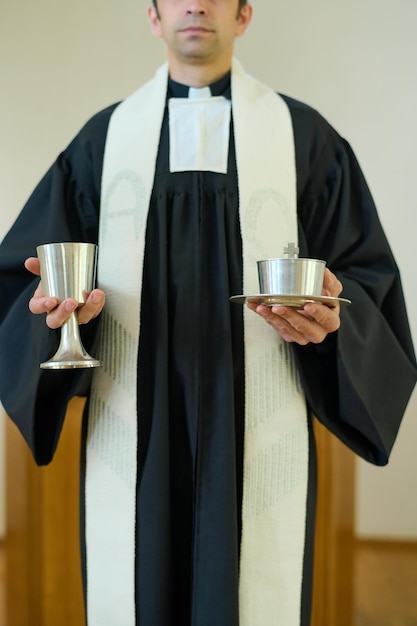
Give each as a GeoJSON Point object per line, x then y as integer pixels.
{"type": "Point", "coordinates": [33, 265]}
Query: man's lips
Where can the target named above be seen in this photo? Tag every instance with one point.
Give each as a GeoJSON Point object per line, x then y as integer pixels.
{"type": "Point", "coordinates": [194, 28]}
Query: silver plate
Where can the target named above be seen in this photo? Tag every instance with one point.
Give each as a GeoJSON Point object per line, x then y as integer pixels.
{"type": "Point", "coordinates": [294, 301]}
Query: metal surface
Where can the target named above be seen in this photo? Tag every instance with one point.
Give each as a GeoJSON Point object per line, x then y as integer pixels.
{"type": "Point", "coordinates": [68, 271]}
{"type": "Point", "coordinates": [296, 301]}
{"type": "Point", "coordinates": [293, 276]}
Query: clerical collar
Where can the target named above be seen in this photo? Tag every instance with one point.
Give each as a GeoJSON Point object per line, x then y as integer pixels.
{"type": "Point", "coordinates": [219, 88]}
{"type": "Point", "coordinates": [199, 126]}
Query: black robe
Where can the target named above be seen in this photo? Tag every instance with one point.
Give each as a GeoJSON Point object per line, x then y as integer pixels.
{"type": "Point", "coordinates": [191, 359]}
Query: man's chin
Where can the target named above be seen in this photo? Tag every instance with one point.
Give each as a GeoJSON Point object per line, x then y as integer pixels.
{"type": "Point", "coordinates": [196, 52]}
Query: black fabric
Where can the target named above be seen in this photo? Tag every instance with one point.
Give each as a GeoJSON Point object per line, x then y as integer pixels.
{"type": "Point", "coordinates": [310, 526]}
{"type": "Point", "coordinates": [191, 366]}
{"type": "Point", "coordinates": [187, 413]}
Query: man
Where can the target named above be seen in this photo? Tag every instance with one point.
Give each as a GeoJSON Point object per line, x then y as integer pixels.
{"type": "Point", "coordinates": [198, 463]}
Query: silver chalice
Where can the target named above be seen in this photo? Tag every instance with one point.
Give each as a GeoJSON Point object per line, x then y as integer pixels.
{"type": "Point", "coordinates": [68, 270]}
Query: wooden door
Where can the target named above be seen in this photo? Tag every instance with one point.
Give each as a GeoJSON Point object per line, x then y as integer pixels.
{"type": "Point", "coordinates": [43, 563]}
{"type": "Point", "coordinates": [42, 545]}
{"type": "Point", "coordinates": [334, 538]}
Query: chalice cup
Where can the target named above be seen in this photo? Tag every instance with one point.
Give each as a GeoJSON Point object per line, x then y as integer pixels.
{"type": "Point", "coordinates": [68, 270]}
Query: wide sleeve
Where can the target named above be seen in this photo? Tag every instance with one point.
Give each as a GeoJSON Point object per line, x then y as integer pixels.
{"type": "Point", "coordinates": [63, 207]}
{"type": "Point", "coordinates": [358, 382]}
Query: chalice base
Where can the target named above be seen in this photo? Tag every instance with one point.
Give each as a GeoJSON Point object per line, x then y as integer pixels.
{"type": "Point", "coordinates": [65, 360]}
{"type": "Point", "coordinates": [72, 363]}
{"type": "Point", "coordinates": [71, 353]}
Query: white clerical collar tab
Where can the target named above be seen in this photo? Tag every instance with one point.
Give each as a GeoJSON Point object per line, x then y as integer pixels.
{"type": "Point", "coordinates": [199, 92]}
{"type": "Point", "coordinates": [199, 134]}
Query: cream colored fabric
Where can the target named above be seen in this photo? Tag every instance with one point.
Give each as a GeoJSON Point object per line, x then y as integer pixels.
{"type": "Point", "coordinates": [276, 437]}
{"type": "Point", "coordinates": [276, 448]}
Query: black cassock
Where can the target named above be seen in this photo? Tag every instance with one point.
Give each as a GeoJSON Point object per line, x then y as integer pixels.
{"type": "Point", "coordinates": [191, 358]}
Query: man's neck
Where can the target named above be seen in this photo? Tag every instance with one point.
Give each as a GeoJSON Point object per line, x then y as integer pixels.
{"type": "Point", "coordinates": [197, 75]}
{"type": "Point", "coordinates": [218, 88]}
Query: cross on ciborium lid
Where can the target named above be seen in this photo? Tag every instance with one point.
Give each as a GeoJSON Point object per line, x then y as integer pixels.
{"type": "Point", "coordinates": [291, 250]}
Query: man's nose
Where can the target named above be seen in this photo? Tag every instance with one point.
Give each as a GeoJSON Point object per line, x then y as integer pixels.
{"type": "Point", "coordinates": [196, 7]}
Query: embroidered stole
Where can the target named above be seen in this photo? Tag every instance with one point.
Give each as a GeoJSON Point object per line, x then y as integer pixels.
{"type": "Point", "coordinates": [276, 436]}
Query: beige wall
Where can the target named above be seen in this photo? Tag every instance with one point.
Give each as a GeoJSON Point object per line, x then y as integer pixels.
{"type": "Point", "coordinates": [356, 62]}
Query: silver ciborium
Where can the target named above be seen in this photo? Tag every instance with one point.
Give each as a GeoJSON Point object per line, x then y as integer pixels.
{"type": "Point", "coordinates": [68, 270]}
{"type": "Point", "coordinates": [292, 276]}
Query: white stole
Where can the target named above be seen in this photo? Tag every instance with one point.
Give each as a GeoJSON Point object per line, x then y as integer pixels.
{"type": "Point", "coordinates": [276, 437]}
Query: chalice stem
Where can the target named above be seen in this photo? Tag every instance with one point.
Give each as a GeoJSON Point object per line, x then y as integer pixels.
{"type": "Point", "coordinates": [70, 345]}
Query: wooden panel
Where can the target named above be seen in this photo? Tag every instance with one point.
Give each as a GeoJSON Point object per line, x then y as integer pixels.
{"type": "Point", "coordinates": [385, 583]}
{"type": "Point", "coordinates": [18, 565]}
{"type": "Point", "coordinates": [43, 557]}
{"type": "Point", "coordinates": [334, 542]}
{"type": "Point", "coordinates": [44, 572]}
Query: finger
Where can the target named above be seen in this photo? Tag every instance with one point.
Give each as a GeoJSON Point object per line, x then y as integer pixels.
{"type": "Point", "coordinates": [284, 322]}
{"type": "Point", "coordinates": [310, 325]}
{"type": "Point", "coordinates": [88, 311]}
{"type": "Point", "coordinates": [327, 318]}
{"type": "Point", "coordinates": [41, 304]}
{"type": "Point", "coordinates": [331, 284]}
{"type": "Point", "coordinates": [313, 324]}
{"type": "Point", "coordinates": [59, 315]}
{"type": "Point", "coordinates": [299, 326]}
{"type": "Point", "coordinates": [92, 307]}
{"type": "Point", "coordinates": [33, 265]}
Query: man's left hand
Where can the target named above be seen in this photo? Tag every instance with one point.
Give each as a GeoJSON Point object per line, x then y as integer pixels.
{"type": "Point", "coordinates": [313, 323]}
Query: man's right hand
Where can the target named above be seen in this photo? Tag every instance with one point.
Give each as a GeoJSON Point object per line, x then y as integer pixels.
{"type": "Point", "coordinates": [58, 312]}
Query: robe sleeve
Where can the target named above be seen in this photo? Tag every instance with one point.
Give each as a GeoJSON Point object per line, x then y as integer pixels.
{"type": "Point", "coordinates": [358, 382]}
{"type": "Point", "coordinates": [63, 207]}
